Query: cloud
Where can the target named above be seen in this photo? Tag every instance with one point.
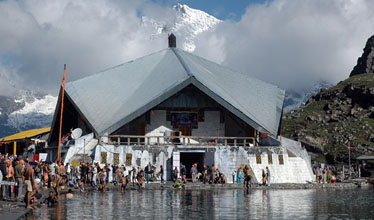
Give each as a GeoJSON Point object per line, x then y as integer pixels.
{"type": "Point", "coordinates": [288, 43]}
{"type": "Point", "coordinates": [293, 43]}
{"type": "Point", "coordinates": [89, 36]}
{"type": "Point", "coordinates": [9, 81]}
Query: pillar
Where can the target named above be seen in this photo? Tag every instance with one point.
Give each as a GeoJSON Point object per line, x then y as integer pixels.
{"type": "Point", "coordinates": [15, 148]}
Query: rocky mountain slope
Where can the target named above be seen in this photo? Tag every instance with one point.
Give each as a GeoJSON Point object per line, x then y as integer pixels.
{"type": "Point", "coordinates": [335, 118]}
{"type": "Point", "coordinates": [338, 118]}
{"type": "Point", "coordinates": [365, 63]}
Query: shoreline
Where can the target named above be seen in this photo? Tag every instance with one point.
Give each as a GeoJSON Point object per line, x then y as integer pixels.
{"type": "Point", "coordinates": [16, 210]}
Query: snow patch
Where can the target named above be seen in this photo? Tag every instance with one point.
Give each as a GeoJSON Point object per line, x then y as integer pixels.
{"type": "Point", "coordinates": [296, 99]}
{"type": "Point", "coordinates": [36, 113]}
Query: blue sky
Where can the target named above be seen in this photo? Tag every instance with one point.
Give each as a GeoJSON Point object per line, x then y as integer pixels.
{"type": "Point", "coordinates": [221, 9]}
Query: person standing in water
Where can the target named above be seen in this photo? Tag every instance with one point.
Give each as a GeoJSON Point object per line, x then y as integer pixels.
{"type": "Point", "coordinates": [29, 183]}
{"type": "Point", "coordinates": [161, 173]}
{"type": "Point", "coordinates": [268, 176]}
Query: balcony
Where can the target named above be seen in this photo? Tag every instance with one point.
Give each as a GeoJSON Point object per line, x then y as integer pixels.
{"type": "Point", "coordinates": [178, 140]}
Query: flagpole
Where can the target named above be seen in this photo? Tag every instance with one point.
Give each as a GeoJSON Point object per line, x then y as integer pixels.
{"type": "Point", "coordinates": [62, 110]}
{"type": "Point", "coordinates": [349, 156]}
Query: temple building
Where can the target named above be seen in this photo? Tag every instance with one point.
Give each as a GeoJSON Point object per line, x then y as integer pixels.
{"type": "Point", "coordinates": [173, 107]}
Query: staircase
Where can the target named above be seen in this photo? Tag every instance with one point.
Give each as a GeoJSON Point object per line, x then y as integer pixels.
{"type": "Point", "coordinates": [82, 150]}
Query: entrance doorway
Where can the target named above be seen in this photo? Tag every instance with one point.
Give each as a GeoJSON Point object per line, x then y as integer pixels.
{"type": "Point", "coordinates": [190, 158]}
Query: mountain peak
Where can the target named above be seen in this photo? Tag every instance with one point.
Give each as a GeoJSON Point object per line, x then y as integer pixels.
{"type": "Point", "coordinates": [181, 8]}
{"type": "Point", "coordinates": [365, 63]}
{"type": "Point", "coordinates": [186, 25]}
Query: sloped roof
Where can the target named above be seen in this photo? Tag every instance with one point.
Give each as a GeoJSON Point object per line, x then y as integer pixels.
{"type": "Point", "coordinates": [114, 97]}
{"type": "Point", "coordinates": [26, 134]}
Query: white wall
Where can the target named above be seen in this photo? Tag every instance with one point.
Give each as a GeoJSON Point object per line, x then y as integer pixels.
{"type": "Point", "coordinates": [146, 154]}
{"type": "Point", "coordinates": [158, 119]}
{"type": "Point", "coordinates": [227, 159]}
{"type": "Point", "coordinates": [211, 125]}
{"type": "Point", "coordinates": [294, 169]}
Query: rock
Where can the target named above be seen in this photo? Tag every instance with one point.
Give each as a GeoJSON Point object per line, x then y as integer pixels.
{"type": "Point", "coordinates": [371, 115]}
{"type": "Point", "coordinates": [327, 107]}
{"type": "Point", "coordinates": [365, 63]}
{"type": "Point", "coordinates": [333, 118]}
{"type": "Point", "coordinates": [371, 138]}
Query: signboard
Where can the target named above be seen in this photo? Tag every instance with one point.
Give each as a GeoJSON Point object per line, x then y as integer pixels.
{"type": "Point", "coordinates": [128, 159]}
{"type": "Point", "coordinates": [75, 163]}
{"type": "Point", "coordinates": [184, 119]}
{"type": "Point", "coordinates": [270, 159]}
{"type": "Point", "coordinates": [258, 158]}
{"type": "Point", "coordinates": [43, 156]}
{"type": "Point", "coordinates": [8, 183]}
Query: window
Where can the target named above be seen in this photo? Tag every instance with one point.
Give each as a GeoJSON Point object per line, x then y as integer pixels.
{"type": "Point", "coordinates": [270, 158]}
{"type": "Point", "coordinates": [280, 158]}
{"type": "Point", "coordinates": [258, 158]}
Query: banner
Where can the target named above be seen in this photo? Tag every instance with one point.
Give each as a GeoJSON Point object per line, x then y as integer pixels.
{"type": "Point", "coordinates": [103, 157]}
{"type": "Point", "coordinates": [8, 183]}
{"type": "Point", "coordinates": [116, 158]}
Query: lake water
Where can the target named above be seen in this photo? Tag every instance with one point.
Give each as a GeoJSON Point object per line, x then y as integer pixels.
{"type": "Point", "coordinates": [214, 204]}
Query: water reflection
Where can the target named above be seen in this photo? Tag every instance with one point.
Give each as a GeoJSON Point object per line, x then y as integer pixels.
{"type": "Point", "coordinates": [214, 204]}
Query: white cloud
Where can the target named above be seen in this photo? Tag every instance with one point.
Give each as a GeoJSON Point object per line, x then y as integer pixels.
{"type": "Point", "coordinates": [288, 43]}
{"type": "Point", "coordinates": [86, 35]}
{"type": "Point", "coordinates": [293, 43]}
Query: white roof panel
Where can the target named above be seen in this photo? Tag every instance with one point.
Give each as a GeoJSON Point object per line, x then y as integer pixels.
{"type": "Point", "coordinates": [114, 97]}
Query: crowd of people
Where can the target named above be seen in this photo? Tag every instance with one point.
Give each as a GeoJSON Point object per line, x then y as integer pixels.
{"type": "Point", "coordinates": [208, 174]}
{"type": "Point", "coordinates": [23, 179]}
{"type": "Point", "coordinates": [327, 174]}
{"type": "Point", "coordinates": [245, 175]}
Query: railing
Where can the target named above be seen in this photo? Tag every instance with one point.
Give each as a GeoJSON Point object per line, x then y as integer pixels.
{"type": "Point", "coordinates": [179, 140]}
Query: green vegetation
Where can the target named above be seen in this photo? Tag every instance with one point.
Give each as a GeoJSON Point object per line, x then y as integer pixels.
{"type": "Point", "coordinates": [335, 117]}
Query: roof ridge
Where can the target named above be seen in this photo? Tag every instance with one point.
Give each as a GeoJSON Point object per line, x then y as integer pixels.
{"type": "Point", "coordinates": [181, 60]}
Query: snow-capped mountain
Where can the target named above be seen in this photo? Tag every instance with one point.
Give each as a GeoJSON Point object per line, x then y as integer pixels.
{"type": "Point", "coordinates": [187, 23]}
{"type": "Point", "coordinates": [35, 112]}
{"type": "Point", "coordinates": [27, 111]}
{"type": "Point", "coordinates": [295, 99]}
